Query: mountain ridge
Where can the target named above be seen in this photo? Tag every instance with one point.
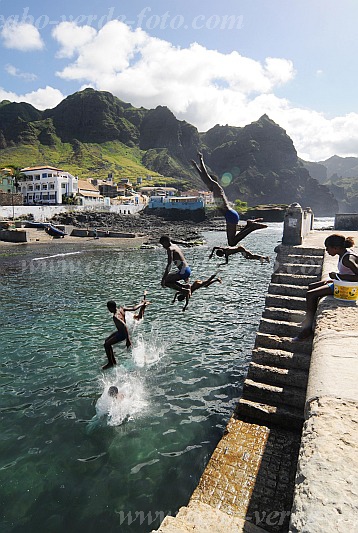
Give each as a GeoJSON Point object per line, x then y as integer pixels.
{"type": "Point", "coordinates": [90, 130]}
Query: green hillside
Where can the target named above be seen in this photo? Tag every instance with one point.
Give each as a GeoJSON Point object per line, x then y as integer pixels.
{"type": "Point", "coordinates": [85, 160]}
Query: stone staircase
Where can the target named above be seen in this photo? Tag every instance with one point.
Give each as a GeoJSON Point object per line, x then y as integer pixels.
{"type": "Point", "coordinates": [275, 387]}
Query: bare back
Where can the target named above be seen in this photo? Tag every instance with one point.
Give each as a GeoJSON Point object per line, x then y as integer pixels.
{"type": "Point", "coordinates": [176, 257]}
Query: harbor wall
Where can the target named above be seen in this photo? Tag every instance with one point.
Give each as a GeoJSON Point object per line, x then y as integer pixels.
{"type": "Point", "coordinates": [249, 481]}
{"type": "Point", "coordinates": [325, 496]}
{"type": "Point", "coordinates": [346, 222]}
{"type": "Point", "coordinates": [265, 475]}
{"type": "Point", "coordinates": [41, 213]}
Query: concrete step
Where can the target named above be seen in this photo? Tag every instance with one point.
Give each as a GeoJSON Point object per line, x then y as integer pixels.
{"type": "Point", "coordinates": [200, 517]}
{"type": "Point", "coordinates": [288, 417]}
{"type": "Point", "coordinates": [271, 375]}
{"type": "Point", "coordinates": [173, 524]}
{"type": "Point", "coordinates": [287, 344]}
{"type": "Point", "coordinates": [273, 395]}
{"type": "Point", "coordinates": [287, 315]}
{"type": "Point", "coordinates": [294, 279]}
{"type": "Point", "coordinates": [279, 327]}
{"type": "Point", "coordinates": [299, 250]}
{"type": "Point", "coordinates": [300, 259]}
{"type": "Point", "coordinates": [287, 290]}
{"type": "Point", "coordinates": [287, 302]}
{"type": "Point", "coordinates": [296, 268]}
{"type": "Point", "coordinates": [281, 358]}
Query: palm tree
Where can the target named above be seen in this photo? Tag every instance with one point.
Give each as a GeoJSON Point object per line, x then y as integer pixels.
{"type": "Point", "coordinates": [17, 176]}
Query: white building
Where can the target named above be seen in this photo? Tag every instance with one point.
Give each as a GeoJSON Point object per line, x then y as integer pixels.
{"type": "Point", "coordinates": [47, 185]}
{"type": "Point", "coordinates": [89, 195]}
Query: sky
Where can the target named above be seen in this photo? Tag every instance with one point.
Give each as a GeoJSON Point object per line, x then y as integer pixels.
{"type": "Point", "coordinates": [210, 62]}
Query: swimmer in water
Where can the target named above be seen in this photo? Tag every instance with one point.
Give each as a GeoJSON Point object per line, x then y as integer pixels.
{"type": "Point", "coordinates": [113, 392]}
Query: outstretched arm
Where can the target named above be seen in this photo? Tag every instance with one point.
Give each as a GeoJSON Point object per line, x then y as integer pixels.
{"type": "Point", "coordinates": [212, 184]}
{"type": "Point", "coordinates": [187, 298]}
{"type": "Point", "coordinates": [213, 250]}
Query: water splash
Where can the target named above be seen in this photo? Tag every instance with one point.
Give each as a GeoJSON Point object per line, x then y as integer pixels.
{"type": "Point", "coordinates": [148, 351]}
{"type": "Point", "coordinates": [131, 401]}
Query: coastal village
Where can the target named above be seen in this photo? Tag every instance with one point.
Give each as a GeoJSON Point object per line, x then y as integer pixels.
{"type": "Point", "coordinates": [41, 192]}
{"type": "Point", "coordinates": [47, 185]}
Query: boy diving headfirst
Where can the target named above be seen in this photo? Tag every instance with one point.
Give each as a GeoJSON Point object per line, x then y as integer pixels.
{"type": "Point", "coordinates": [197, 284]}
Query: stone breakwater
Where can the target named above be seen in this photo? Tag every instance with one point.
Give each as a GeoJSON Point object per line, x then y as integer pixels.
{"type": "Point", "coordinates": [142, 223]}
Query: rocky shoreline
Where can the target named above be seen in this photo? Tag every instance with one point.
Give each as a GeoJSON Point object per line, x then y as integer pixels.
{"type": "Point", "coordinates": [142, 223]}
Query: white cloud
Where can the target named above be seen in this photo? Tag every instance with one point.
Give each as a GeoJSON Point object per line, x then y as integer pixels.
{"type": "Point", "coordinates": [21, 36]}
{"type": "Point", "coordinates": [72, 37]}
{"type": "Point", "coordinates": [13, 71]}
{"type": "Point", "coordinates": [41, 99]}
{"type": "Point", "coordinates": [204, 87]}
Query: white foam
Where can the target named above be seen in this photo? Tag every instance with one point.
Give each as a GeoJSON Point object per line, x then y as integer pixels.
{"type": "Point", "coordinates": [126, 407]}
{"type": "Point", "coordinates": [148, 351]}
{"type": "Point", "coordinates": [56, 255]}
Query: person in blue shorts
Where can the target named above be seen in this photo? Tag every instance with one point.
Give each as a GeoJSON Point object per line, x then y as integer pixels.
{"type": "Point", "coordinates": [232, 217]}
{"type": "Point", "coordinates": [176, 259]}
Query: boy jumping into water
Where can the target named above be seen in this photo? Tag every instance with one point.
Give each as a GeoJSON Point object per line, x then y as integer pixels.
{"type": "Point", "coordinates": [226, 251]}
{"type": "Point", "coordinates": [175, 257]}
{"type": "Point", "coordinates": [118, 336]}
{"type": "Point", "coordinates": [197, 284]}
{"type": "Point", "coordinates": [231, 216]}
{"type": "Point", "coordinates": [121, 334]}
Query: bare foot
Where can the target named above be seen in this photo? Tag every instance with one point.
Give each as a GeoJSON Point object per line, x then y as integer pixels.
{"type": "Point", "coordinates": [303, 334]}
{"type": "Point", "coordinates": [264, 259]}
{"type": "Point", "coordinates": [108, 365]}
{"type": "Point", "coordinates": [255, 224]}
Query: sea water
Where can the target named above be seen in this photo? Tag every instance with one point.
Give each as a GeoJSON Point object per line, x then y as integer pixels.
{"type": "Point", "coordinates": [73, 458]}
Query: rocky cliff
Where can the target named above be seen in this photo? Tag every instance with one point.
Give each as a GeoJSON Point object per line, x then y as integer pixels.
{"type": "Point", "coordinates": [257, 163]}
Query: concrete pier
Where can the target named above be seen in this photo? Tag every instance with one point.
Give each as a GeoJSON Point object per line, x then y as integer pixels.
{"type": "Point", "coordinates": [250, 483]}
{"type": "Point", "coordinates": [326, 494]}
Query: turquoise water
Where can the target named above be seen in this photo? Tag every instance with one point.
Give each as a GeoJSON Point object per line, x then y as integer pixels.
{"type": "Point", "coordinates": [71, 460]}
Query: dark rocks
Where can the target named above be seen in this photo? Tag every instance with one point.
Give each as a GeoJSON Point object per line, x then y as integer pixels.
{"type": "Point", "coordinates": [140, 223]}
